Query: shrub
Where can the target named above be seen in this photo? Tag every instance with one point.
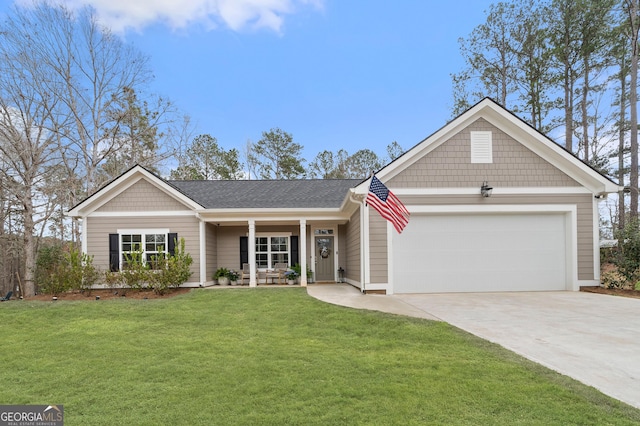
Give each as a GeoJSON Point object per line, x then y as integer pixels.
{"type": "Point", "coordinates": [61, 269]}
{"type": "Point", "coordinates": [172, 270]}
{"type": "Point", "coordinates": [49, 271]}
{"type": "Point", "coordinates": [613, 279]}
{"type": "Point", "coordinates": [135, 273]}
{"type": "Point", "coordinates": [627, 257]}
{"type": "Point", "coordinates": [164, 272]}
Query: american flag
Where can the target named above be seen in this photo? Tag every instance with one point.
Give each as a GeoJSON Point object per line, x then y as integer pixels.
{"type": "Point", "coordinates": [387, 204]}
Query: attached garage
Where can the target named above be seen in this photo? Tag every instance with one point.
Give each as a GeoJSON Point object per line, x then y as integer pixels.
{"type": "Point", "coordinates": [476, 252]}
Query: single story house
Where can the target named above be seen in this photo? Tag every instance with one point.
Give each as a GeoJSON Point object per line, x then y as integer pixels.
{"type": "Point", "coordinates": [536, 230]}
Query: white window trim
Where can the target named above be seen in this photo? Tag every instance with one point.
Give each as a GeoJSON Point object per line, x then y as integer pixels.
{"type": "Point", "coordinates": [271, 235]}
{"type": "Point", "coordinates": [142, 232]}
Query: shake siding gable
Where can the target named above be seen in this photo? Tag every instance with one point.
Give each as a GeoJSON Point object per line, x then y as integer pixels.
{"type": "Point", "coordinates": [142, 196]}
{"type": "Point", "coordinates": [449, 165]}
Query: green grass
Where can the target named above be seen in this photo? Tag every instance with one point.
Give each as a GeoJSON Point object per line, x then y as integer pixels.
{"type": "Point", "coordinates": [274, 357]}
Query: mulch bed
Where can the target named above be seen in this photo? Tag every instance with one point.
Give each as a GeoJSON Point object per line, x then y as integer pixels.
{"type": "Point", "coordinates": [110, 295]}
{"type": "Point", "coordinates": [612, 291]}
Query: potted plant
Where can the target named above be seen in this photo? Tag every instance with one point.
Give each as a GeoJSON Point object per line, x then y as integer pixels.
{"type": "Point", "coordinates": [291, 277]}
{"type": "Point", "coordinates": [233, 276]}
{"type": "Point", "coordinates": [222, 276]}
{"type": "Point", "coordinates": [298, 270]}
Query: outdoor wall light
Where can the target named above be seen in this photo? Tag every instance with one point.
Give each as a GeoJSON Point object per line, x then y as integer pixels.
{"type": "Point", "coordinates": [485, 189]}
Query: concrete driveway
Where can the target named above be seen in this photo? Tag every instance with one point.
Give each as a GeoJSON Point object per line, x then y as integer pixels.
{"type": "Point", "coordinates": [592, 338]}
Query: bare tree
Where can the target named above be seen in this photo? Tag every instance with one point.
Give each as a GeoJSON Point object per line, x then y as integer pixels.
{"type": "Point", "coordinates": [91, 72]}
{"type": "Point", "coordinates": [27, 148]}
{"type": "Point", "coordinates": [60, 75]}
{"type": "Point", "coordinates": [249, 160]}
{"type": "Point", "coordinates": [632, 8]}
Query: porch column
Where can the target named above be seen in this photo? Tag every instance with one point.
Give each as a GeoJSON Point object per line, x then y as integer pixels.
{"type": "Point", "coordinates": [203, 253]}
{"type": "Point", "coordinates": [364, 251]}
{"type": "Point", "coordinates": [303, 253]}
{"type": "Point", "coordinates": [252, 253]}
{"type": "Point", "coordinates": [84, 234]}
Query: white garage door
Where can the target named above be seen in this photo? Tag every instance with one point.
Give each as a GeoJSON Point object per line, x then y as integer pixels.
{"type": "Point", "coordinates": [478, 253]}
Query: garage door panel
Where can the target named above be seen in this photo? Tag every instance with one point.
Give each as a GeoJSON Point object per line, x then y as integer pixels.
{"type": "Point", "coordinates": [464, 253]}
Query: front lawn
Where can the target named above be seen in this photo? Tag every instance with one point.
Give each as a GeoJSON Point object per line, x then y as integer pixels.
{"type": "Point", "coordinates": [273, 356]}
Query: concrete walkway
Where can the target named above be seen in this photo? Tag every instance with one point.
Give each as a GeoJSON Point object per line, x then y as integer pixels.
{"type": "Point", "coordinates": [592, 338]}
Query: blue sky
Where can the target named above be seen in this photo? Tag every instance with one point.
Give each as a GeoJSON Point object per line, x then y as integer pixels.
{"type": "Point", "coordinates": [334, 74]}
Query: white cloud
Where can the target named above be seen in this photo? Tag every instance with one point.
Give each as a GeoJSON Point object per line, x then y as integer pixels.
{"type": "Point", "coordinates": [238, 15]}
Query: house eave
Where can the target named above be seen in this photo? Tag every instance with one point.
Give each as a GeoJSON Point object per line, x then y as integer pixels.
{"type": "Point", "coordinates": [122, 183]}
{"type": "Point", "coordinates": [280, 215]}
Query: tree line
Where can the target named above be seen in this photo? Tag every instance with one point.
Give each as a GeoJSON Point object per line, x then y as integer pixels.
{"type": "Point", "coordinates": [275, 156]}
{"type": "Point", "coordinates": [570, 69]}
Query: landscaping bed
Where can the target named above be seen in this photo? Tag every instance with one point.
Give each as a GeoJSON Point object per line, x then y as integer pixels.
{"type": "Point", "coordinates": [612, 291]}
{"type": "Point", "coordinates": [111, 294]}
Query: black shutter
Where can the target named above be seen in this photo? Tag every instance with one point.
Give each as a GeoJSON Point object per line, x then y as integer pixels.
{"type": "Point", "coordinates": [171, 244]}
{"type": "Point", "coordinates": [295, 250]}
{"type": "Point", "coordinates": [244, 251]}
{"type": "Point", "coordinates": [114, 252]}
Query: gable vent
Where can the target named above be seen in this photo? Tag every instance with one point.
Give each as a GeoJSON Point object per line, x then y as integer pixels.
{"type": "Point", "coordinates": [481, 147]}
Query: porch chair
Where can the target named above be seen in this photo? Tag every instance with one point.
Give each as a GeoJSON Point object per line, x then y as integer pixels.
{"type": "Point", "coordinates": [7, 297]}
{"type": "Point", "coordinates": [280, 269]}
{"type": "Point", "coordinates": [245, 273]}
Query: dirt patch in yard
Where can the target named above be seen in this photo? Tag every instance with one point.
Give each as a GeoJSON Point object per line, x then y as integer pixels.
{"type": "Point", "coordinates": [612, 291]}
{"type": "Point", "coordinates": [110, 295]}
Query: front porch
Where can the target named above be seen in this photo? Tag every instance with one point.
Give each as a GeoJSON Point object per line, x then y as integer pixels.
{"type": "Point", "coordinates": [308, 245]}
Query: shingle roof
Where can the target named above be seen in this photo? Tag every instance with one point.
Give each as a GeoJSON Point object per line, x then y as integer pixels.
{"type": "Point", "coordinates": [229, 194]}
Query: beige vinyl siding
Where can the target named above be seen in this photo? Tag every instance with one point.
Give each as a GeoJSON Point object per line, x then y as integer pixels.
{"type": "Point", "coordinates": [449, 165]}
{"type": "Point", "coordinates": [228, 242]}
{"type": "Point", "coordinates": [142, 196]}
{"type": "Point", "coordinates": [353, 252]}
{"type": "Point", "coordinates": [99, 228]}
{"type": "Point", "coordinates": [378, 248]}
{"type": "Point", "coordinates": [228, 246]}
{"type": "Point", "coordinates": [211, 232]}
